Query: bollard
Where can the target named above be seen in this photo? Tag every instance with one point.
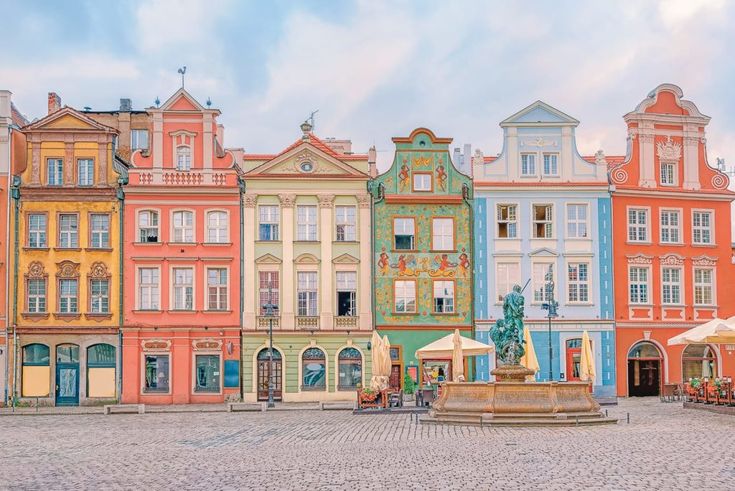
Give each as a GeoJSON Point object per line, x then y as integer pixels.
{"type": "Point", "coordinates": [576, 421]}
{"type": "Point", "coordinates": [627, 416]}
{"type": "Point", "coordinates": [606, 413]}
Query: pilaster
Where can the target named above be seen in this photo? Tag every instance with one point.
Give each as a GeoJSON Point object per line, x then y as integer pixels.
{"type": "Point", "coordinates": [287, 281]}
{"type": "Point", "coordinates": [326, 212]}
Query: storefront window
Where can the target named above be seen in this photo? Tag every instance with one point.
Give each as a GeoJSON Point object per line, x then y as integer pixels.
{"type": "Point", "coordinates": [314, 368]}
{"type": "Point", "coordinates": [36, 372]}
{"type": "Point", "coordinates": [101, 371]}
{"type": "Point", "coordinates": [436, 371]}
{"type": "Point", "coordinates": [350, 368]}
{"type": "Point", "coordinates": [698, 361]}
{"type": "Point", "coordinates": [156, 373]}
{"type": "Point", "coordinates": [207, 373]}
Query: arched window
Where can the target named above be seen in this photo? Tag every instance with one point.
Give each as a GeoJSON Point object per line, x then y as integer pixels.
{"type": "Point", "coordinates": [698, 361]}
{"type": "Point", "coordinates": [183, 158]}
{"type": "Point", "coordinates": [350, 369]}
{"type": "Point", "coordinates": [67, 353]}
{"type": "Point", "coordinates": [183, 223]}
{"type": "Point", "coordinates": [217, 227]}
{"type": "Point", "coordinates": [264, 356]}
{"type": "Point", "coordinates": [148, 226]}
{"type": "Point", "coordinates": [36, 371]}
{"type": "Point", "coordinates": [644, 350]}
{"type": "Point", "coordinates": [101, 361]}
{"type": "Point", "coordinates": [314, 369]}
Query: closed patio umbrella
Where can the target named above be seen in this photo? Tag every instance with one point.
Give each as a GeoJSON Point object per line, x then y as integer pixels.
{"type": "Point", "coordinates": [385, 359]}
{"type": "Point", "coordinates": [376, 354]}
{"type": "Point", "coordinates": [587, 360]}
{"type": "Point", "coordinates": [457, 358]}
{"type": "Point", "coordinates": [529, 359]}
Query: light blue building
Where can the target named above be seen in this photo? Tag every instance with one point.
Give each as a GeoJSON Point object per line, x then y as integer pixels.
{"type": "Point", "coordinates": [540, 209]}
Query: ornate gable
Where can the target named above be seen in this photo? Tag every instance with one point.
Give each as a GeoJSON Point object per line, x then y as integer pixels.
{"type": "Point", "coordinates": [67, 119]}
{"type": "Point", "coordinates": [305, 160]}
{"type": "Point", "coordinates": [346, 259]}
{"type": "Point", "coordinates": [538, 113]}
{"type": "Point", "coordinates": [268, 259]}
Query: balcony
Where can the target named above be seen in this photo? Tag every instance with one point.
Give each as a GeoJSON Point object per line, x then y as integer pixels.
{"type": "Point", "coordinates": [308, 322]}
{"type": "Point", "coordinates": [346, 322]}
{"type": "Point", "coordinates": [182, 178]}
{"type": "Point", "coordinates": [263, 321]}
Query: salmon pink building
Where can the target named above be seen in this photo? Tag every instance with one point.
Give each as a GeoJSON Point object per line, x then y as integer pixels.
{"type": "Point", "coordinates": [181, 334]}
{"type": "Point", "coordinates": [671, 246]}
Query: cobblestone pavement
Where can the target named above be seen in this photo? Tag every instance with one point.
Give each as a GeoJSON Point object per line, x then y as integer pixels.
{"type": "Point", "coordinates": [663, 447]}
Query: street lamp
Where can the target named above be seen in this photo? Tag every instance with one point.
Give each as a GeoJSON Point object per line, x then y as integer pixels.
{"type": "Point", "coordinates": [270, 313]}
{"type": "Point", "coordinates": [550, 306]}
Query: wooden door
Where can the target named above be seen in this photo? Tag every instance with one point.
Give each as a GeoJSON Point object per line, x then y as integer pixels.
{"type": "Point", "coordinates": [644, 378]}
{"type": "Point", "coordinates": [574, 357]}
{"type": "Point", "coordinates": [263, 380]}
{"type": "Point", "coordinates": [395, 380]}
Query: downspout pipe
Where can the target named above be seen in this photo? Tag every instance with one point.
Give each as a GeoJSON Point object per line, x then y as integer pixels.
{"type": "Point", "coordinates": [468, 198]}
{"type": "Point", "coordinates": [15, 195]}
{"type": "Point", "coordinates": [241, 188]}
{"type": "Point", "coordinates": [120, 194]}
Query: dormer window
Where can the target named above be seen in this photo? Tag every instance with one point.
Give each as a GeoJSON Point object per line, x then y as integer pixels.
{"type": "Point", "coordinates": [528, 164]}
{"type": "Point", "coordinates": [183, 158]}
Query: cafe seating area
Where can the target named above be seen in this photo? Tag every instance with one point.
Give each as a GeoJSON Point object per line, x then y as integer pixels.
{"type": "Point", "coordinates": [710, 393]}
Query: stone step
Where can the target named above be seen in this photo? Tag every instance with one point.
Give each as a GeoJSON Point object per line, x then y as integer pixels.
{"type": "Point", "coordinates": [337, 406]}
{"type": "Point", "coordinates": [245, 406]}
{"type": "Point", "coordinates": [124, 409]}
{"type": "Point", "coordinates": [520, 422]}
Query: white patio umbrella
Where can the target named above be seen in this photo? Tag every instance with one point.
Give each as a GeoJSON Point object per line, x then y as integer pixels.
{"type": "Point", "coordinates": [715, 331]}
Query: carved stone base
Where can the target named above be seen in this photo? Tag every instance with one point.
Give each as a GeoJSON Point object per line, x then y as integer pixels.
{"type": "Point", "coordinates": [507, 373]}
{"type": "Point", "coordinates": [517, 404]}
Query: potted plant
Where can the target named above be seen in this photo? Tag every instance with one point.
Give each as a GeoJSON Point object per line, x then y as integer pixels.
{"type": "Point", "coordinates": [368, 395]}
{"type": "Point", "coordinates": [409, 387]}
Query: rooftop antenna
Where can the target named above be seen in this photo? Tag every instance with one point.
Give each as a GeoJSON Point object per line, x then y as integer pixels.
{"type": "Point", "coordinates": [310, 119]}
{"type": "Point", "coordinates": [182, 71]}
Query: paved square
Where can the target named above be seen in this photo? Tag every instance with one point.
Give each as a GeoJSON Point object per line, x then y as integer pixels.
{"type": "Point", "coordinates": [663, 447]}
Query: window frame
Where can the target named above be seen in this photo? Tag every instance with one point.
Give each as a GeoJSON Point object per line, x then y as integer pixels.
{"type": "Point", "coordinates": [545, 222]}
{"type": "Point", "coordinates": [453, 246]}
{"type": "Point", "coordinates": [313, 388]}
{"type": "Point", "coordinates": [393, 225]}
{"type": "Point", "coordinates": [179, 153]}
{"type": "Point", "coordinates": [151, 212]}
{"type": "Point", "coordinates": [196, 388]}
{"type": "Point", "coordinates": [524, 166]}
{"type": "Point", "coordinates": [59, 230]}
{"type": "Point", "coordinates": [556, 164]}
{"type": "Point", "coordinates": [263, 291]}
{"type": "Point", "coordinates": [71, 299]}
{"type": "Point", "coordinates": [346, 224]}
{"type": "Point", "coordinates": [92, 231]}
{"type": "Point", "coordinates": [307, 225]}
{"type": "Point", "coordinates": [415, 297]}
{"type": "Point", "coordinates": [134, 139]}
{"type": "Point", "coordinates": [712, 285]}
{"type": "Point", "coordinates": [58, 172]}
{"type": "Point", "coordinates": [184, 228]}
{"type": "Point", "coordinates": [579, 283]}
{"type": "Point", "coordinates": [710, 229]}
{"type": "Point", "coordinates": [508, 222]}
{"type": "Point", "coordinates": [671, 284]}
{"type": "Point", "coordinates": [661, 227]}
{"type": "Point", "coordinates": [139, 285]}
{"type": "Point", "coordinates": [274, 226]}
{"type": "Point", "coordinates": [576, 221]}
{"type": "Point", "coordinates": [416, 174]}
{"type": "Point", "coordinates": [44, 214]}
{"type": "Point", "coordinates": [646, 226]}
{"type": "Point", "coordinates": [144, 390]}
{"type": "Point", "coordinates": [308, 291]}
{"type": "Point", "coordinates": [91, 296]}
{"type": "Point", "coordinates": [648, 301]}
{"type": "Point", "coordinates": [674, 173]}
{"type": "Point", "coordinates": [44, 283]}
{"type": "Point", "coordinates": [219, 286]}
{"type": "Point", "coordinates": [498, 264]}
{"type": "Point", "coordinates": [79, 171]}
{"type": "Point", "coordinates": [544, 293]}
{"type": "Point", "coordinates": [434, 297]}
{"type": "Point", "coordinates": [353, 291]}
{"type": "Point", "coordinates": [345, 361]}
{"type": "Point", "coordinates": [224, 227]}
{"type": "Point", "coordinates": [174, 288]}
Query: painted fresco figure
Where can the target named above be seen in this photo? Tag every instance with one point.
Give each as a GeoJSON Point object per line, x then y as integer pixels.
{"type": "Point", "coordinates": [507, 334]}
{"type": "Point", "coordinates": [441, 177]}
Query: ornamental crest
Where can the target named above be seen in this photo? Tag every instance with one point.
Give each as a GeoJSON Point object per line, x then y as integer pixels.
{"type": "Point", "coordinates": [704, 261]}
{"type": "Point", "coordinates": [207, 344]}
{"type": "Point", "coordinates": [639, 259]}
{"type": "Point", "coordinates": [422, 162]}
{"type": "Point", "coordinates": [155, 344]}
{"type": "Point", "coordinates": [99, 271]}
{"type": "Point", "coordinates": [36, 270]}
{"type": "Point", "coordinates": [669, 150]}
{"type": "Point", "coordinates": [672, 260]}
{"type": "Point", "coordinates": [67, 269]}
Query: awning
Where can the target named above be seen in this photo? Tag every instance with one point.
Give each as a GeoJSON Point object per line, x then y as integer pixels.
{"type": "Point", "coordinates": [716, 331]}
{"type": "Point", "coordinates": [442, 348]}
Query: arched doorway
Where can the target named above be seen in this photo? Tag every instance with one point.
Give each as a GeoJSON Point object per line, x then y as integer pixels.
{"type": "Point", "coordinates": [574, 358]}
{"type": "Point", "coordinates": [698, 361]}
{"type": "Point", "coordinates": [264, 374]}
{"type": "Point", "coordinates": [644, 370]}
{"type": "Point", "coordinates": [67, 375]}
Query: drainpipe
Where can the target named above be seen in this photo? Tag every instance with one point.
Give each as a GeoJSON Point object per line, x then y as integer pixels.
{"type": "Point", "coordinates": [120, 194]}
{"type": "Point", "coordinates": [467, 197]}
{"type": "Point", "coordinates": [375, 200]}
{"type": "Point", "coordinates": [15, 195]}
{"type": "Point", "coordinates": [241, 188]}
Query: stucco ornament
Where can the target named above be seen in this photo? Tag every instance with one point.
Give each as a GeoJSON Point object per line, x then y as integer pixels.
{"type": "Point", "coordinates": [669, 151]}
{"type": "Point", "coordinates": [507, 333]}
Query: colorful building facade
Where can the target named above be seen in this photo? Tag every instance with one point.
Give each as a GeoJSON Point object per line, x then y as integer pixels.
{"type": "Point", "coordinates": [66, 295]}
{"type": "Point", "coordinates": [422, 254]}
{"type": "Point", "coordinates": [542, 211]}
{"type": "Point", "coordinates": [307, 229]}
{"type": "Point", "coordinates": [181, 327]}
{"type": "Point", "coordinates": [672, 249]}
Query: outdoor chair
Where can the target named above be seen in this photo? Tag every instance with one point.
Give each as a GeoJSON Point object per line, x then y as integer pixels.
{"type": "Point", "coordinates": [396, 399]}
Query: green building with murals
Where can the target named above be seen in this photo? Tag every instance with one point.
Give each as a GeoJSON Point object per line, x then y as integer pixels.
{"type": "Point", "coordinates": [423, 261]}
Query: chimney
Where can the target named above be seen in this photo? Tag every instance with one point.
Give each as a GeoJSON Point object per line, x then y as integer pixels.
{"type": "Point", "coordinates": [54, 102]}
{"type": "Point", "coordinates": [126, 105]}
{"type": "Point", "coordinates": [372, 164]}
{"type": "Point", "coordinates": [220, 135]}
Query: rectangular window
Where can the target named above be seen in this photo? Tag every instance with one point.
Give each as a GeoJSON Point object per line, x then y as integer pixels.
{"type": "Point", "coordinates": [99, 229]}
{"type": "Point", "coordinates": [217, 227]}
{"type": "Point", "coordinates": [156, 373]}
{"type": "Point", "coordinates": [668, 174]}
{"type": "Point", "coordinates": [55, 169]}
{"type": "Point", "coordinates": [207, 373]}
{"type": "Point", "coordinates": [85, 172]}
{"type": "Point", "coordinates": [268, 227]}
{"type": "Point", "coordinates": [528, 164]}
{"type": "Point", "coordinates": [405, 297]}
{"type": "Point", "coordinates": [541, 274]}
{"type": "Point", "coordinates": [637, 225]}
{"type": "Point", "coordinates": [551, 167]}
{"type": "Point", "coordinates": [183, 226]}
{"type": "Point", "coordinates": [217, 289]}
{"type": "Point", "coordinates": [183, 158]}
{"type": "Point", "coordinates": [508, 274]}
{"type": "Point", "coordinates": [507, 221]}
{"type": "Point", "coordinates": [578, 282]}
{"type": "Point", "coordinates": [307, 293]}
{"type": "Point", "coordinates": [421, 181]}
{"type": "Point", "coordinates": [543, 225]}
{"type": "Point", "coordinates": [703, 286]}
{"type": "Point", "coordinates": [306, 222]}
{"type": "Point", "coordinates": [268, 287]}
{"type": "Point", "coordinates": [99, 296]}
{"type": "Point", "coordinates": [138, 140]}
{"type": "Point", "coordinates": [577, 221]}
{"type": "Point", "coordinates": [148, 226]}
{"type": "Point", "coordinates": [68, 231]}
{"type": "Point", "coordinates": [404, 234]}
{"type": "Point", "coordinates": [183, 288]}
{"type": "Point", "coordinates": [345, 223]}
{"type": "Point", "coordinates": [638, 285]}
{"type": "Point", "coordinates": [68, 296]}
{"type": "Point", "coordinates": [442, 234]}
{"type": "Point", "coordinates": [443, 297]}
{"type": "Point", "coordinates": [671, 286]}
{"type": "Point", "coordinates": [670, 222]}
{"type": "Point", "coordinates": [37, 230]}
{"type": "Point", "coordinates": [346, 293]}
{"type": "Point", "coordinates": [702, 227]}
{"type": "Point", "coordinates": [148, 289]}
{"type": "Point", "coordinates": [37, 296]}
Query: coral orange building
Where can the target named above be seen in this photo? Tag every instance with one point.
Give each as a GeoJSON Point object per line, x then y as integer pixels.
{"type": "Point", "coordinates": [181, 333]}
{"type": "Point", "coordinates": [672, 249]}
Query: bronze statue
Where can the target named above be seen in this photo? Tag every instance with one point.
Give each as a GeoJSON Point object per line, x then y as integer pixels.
{"type": "Point", "coordinates": [507, 334]}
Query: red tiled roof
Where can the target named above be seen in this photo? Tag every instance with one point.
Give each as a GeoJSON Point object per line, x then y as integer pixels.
{"type": "Point", "coordinates": [612, 160]}
{"type": "Point", "coordinates": [487, 160]}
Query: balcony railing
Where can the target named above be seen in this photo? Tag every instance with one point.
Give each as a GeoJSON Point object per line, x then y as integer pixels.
{"type": "Point", "coordinates": [263, 321]}
{"type": "Point", "coordinates": [182, 178]}
{"type": "Point", "coordinates": [310, 322]}
{"type": "Point", "coordinates": [345, 322]}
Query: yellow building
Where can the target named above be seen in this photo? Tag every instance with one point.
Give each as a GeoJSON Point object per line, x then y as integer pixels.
{"type": "Point", "coordinates": [66, 238]}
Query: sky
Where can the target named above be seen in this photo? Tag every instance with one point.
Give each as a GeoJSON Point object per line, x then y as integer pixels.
{"type": "Point", "coordinates": [375, 69]}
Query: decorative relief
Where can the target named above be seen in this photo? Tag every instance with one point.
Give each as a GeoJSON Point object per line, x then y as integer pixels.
{"type": "Point", "coordinates": [325, 200]}
{"type": "Point", "coordinates": [156, 345]}
{"type": "Point", "coordinates": [600, 158]}
{"type": "Point", "coordinates": [99, 271]}
{"type": "Point", "coordinates": [720, 181]}
{"type": "Point", "coordinates": [639, 259]}
{"type": "Point", "coordinates": [539, 142]}
{"type": "Point", "coordinates": [422, 162]}
{"type": "Point", "coordinates": [287, 200]}
{"type": "Point", "coordinates": [363, 200]}
{"type": "Point", "coordinates": [67, 269]}
{"type": "Point", "coordinates": [36, 271]}
{"type": "Point", "coordinates": [669, 150]}
{"type": "Point", "coordinates": [672, 260]}
{"type": "Point", "coordinates": [646, 138]}
{"type": "Point", "coordinates": [250, 200]}
{"type": "Point", "coordinates": [619, 175]}
{"type": "Point", "coordinates": [207, 344]}
{"type": "Point", "coordinates": [36, 163]}
{"type": "Point", "coordinates": [68, 163]}
{"type": "Point", "coordinates": [704, 261]}
{"type": "Point", "coordinates": [304, 156]}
